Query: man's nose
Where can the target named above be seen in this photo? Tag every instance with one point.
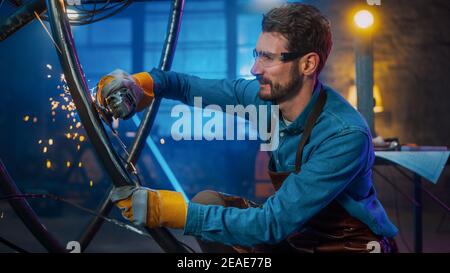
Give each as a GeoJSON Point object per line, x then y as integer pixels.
{"type": "Point", "coordinates": [256, 68]}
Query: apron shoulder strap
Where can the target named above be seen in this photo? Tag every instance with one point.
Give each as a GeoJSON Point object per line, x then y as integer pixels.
{"type": "Point", "coordinates": [310, 121]}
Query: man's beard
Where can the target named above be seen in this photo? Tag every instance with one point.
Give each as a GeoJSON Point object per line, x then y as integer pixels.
{"type": "Point", "coordinates": [280, 93]}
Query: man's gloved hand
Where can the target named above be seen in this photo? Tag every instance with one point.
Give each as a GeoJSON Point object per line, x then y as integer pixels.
{"type": "Point", "coordinates": [152, 208]}
{"type": "Point", "coordinates": [124, 94]}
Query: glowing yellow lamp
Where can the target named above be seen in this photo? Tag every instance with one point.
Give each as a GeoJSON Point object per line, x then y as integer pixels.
{"type": "Point", "coordinates": [363, 19]}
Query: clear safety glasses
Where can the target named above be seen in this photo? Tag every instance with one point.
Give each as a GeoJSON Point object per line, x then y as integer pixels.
{"type": "Point", "coordinates": [268, 59]}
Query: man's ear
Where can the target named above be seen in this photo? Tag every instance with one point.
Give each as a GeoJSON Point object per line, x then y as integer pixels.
{"type": "Point", "coordinates": [309, 63]}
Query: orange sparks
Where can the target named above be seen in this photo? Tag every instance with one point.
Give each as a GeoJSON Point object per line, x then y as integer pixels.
{"type": "Point", "coordinates": [48, 164]}
{"type": "Point", "coordinates": [82, 138]}
{"type": "Point", "coordinates": [54, 104]}
{"type": "Point", "coordinates": [26, 118]}
{"type": "Point", "coordinates": [68, 164]}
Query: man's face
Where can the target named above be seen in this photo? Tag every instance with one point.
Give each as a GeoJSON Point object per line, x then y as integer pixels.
{"type": "Point", "coordinates": [280, 80]}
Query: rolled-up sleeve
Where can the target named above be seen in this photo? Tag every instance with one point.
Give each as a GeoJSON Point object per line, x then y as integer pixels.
{"type": "Point", "coordinates": [331, 167]}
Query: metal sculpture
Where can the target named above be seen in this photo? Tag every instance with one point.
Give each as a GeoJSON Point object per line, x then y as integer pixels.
{"type": "Point", "coordinates": [117, 169]}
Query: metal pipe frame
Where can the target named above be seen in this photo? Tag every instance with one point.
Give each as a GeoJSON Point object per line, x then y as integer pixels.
{"type": "Point", "coordinates": [25, 14]}
{"type": "Point", "coordinates": [26, 213]}
{"type": "Point", "coordinates": [21, 17]}
{"type": "Point", "coordinates": [81, 95]}
{"type": "Point", "coordinates": [114, 168]}
{"type": "Point", "coordinates": [89, 117]}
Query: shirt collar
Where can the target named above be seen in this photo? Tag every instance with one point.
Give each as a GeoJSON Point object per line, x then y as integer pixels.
{"type": "Point", "coordinates": [298, 124]}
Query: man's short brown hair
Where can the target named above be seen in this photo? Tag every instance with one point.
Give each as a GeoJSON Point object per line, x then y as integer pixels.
{"type": "Point", "coordinates": [305, 28]}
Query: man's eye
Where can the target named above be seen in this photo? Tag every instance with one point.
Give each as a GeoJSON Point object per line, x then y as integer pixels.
{"type": "Point", "coordinates": [266, 57]}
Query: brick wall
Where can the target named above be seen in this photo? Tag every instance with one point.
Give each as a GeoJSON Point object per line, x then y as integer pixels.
{"type": "Point", "coordinates": [411, 65]}
{"type": "Point", "coordinates": [412, 70]}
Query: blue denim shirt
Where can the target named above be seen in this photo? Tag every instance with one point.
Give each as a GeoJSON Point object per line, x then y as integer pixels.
{"type": "Point", "coordinates": [336, 164]}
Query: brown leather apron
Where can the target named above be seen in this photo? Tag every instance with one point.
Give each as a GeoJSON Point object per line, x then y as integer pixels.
{"type": "Point", "coordinates": [332, 229]}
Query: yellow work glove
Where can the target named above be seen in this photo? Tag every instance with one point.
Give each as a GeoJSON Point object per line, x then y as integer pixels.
{"type": "Point", "coordinates": [152, 208]}
{"type": "Point", "coordinates": [125, 94]}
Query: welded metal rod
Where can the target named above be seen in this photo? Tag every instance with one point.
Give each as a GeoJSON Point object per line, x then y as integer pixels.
{"type": "Point", "coordinates": [142, 133]}
{"type": "Point", "coordinates": [94, 226]}
{"type": "Point", "coordinates": [169, 243]}
{"type": "Point", "coordinates": [21, 17]}
{"type": "Point", "coordinates": [26, 213]}
{"type": "Point", "coordinates": [162, 236]}
{"type": "Point", "coordinates": [81, 95]}
{"type": "Point", "coordinates": [164, 64]}
{"type": "Point", "coordinates": [25, 14]}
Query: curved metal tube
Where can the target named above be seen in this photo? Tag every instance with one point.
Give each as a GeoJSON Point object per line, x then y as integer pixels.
{"type": "Point", "coordinates": [74, 76]}
{"type": "Point", "coordinates": [21, 18]}
{"type": "Point", "coordinates": [26, 213]}
{"type": "Point", "coordinates": [94, 225]}
{"type": "Point", "coordinates": [81, 95]}
{"type": "Point", "coordinates": [162, 236]}
{"type": "Point", "coordinates": [164, 64]}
